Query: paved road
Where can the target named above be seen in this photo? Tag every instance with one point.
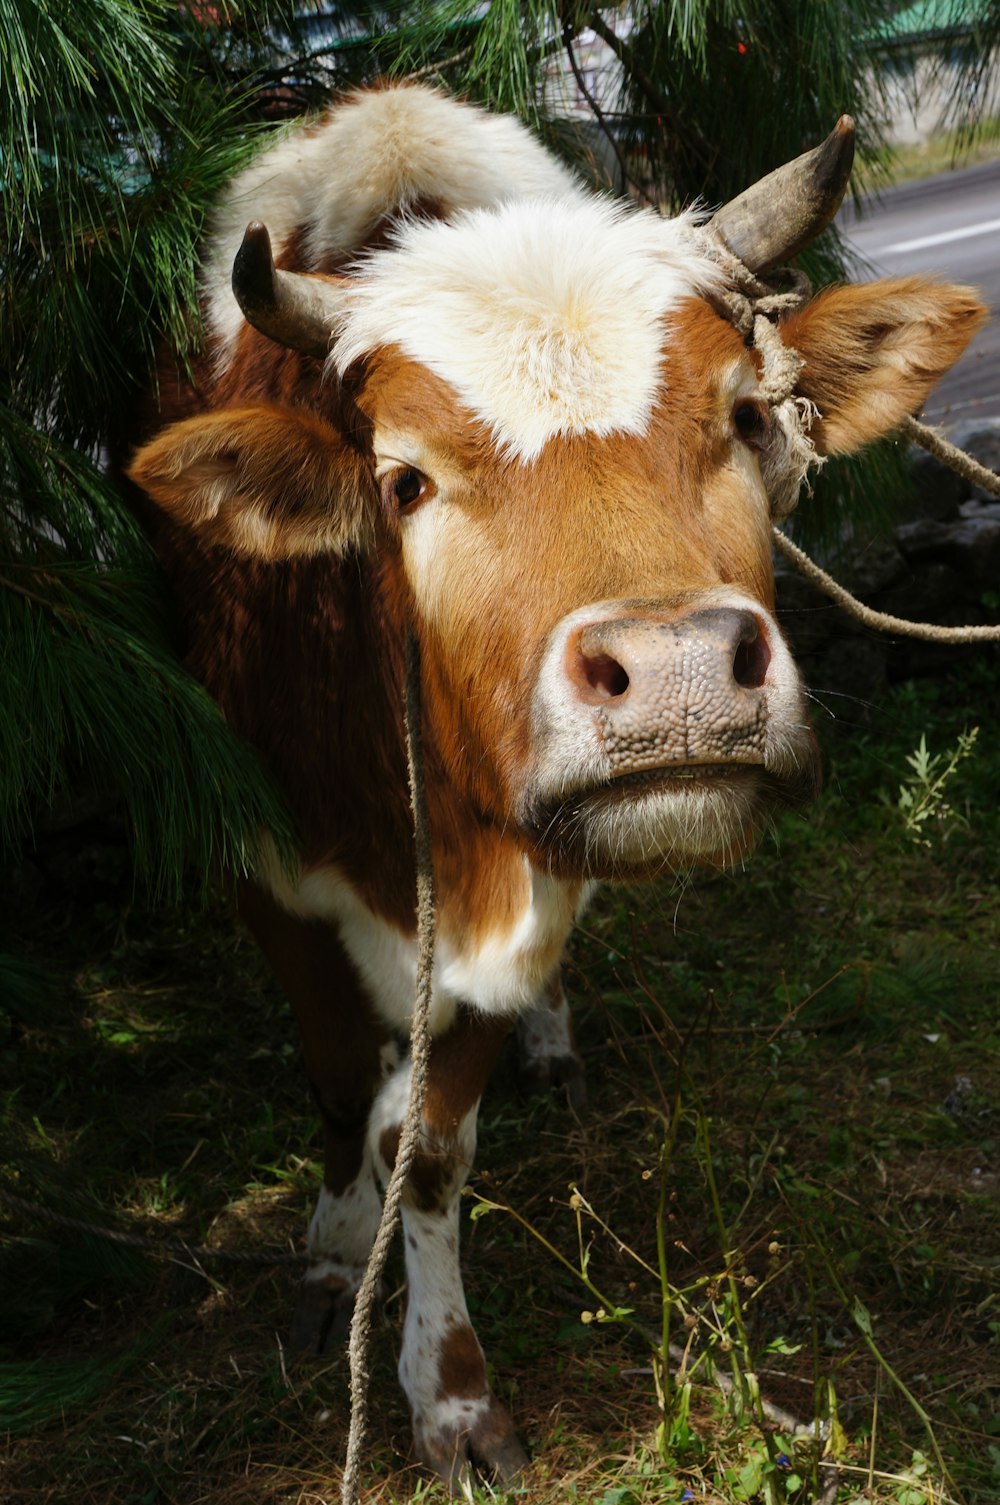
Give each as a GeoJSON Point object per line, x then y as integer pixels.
{"type": "Point", "coordinates": [948, 226]}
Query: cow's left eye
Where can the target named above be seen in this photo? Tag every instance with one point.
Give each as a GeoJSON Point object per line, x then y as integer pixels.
{"type": "Point", "coordinates": [403, 488]}
{"type": "Point", "coordinates": [752, 422]}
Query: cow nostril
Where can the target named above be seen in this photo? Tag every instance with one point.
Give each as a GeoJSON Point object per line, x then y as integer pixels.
{"type": "Point", "coordinates": [750, 662]}
{"type": "Point", "coordinates": [604, 675]}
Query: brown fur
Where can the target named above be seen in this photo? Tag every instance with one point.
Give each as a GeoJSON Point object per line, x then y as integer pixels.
{"type": "Point", "coordinates": [462, 1369]}
{"type": "Point", "coordinates": [873, 353]}
{"type": "Point", "coordinates": [341, 1035]}
{"type": "Point", "coordinates": [460, 1065]}
{"type": "Point", "coordinates": [264, 481]}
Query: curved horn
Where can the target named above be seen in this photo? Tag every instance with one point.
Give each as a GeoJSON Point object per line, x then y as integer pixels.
{"type": "Point", "coordinates": [780, 214]}
{"type": "Point", "coordinates": [291, 308]}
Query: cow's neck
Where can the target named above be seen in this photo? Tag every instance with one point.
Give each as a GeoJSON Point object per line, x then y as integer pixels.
{"type": "Point", "coordinates": [278, 647]}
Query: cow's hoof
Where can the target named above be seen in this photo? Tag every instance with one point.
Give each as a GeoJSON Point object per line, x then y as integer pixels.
{"type": "Point", "coordinates": [539, 1074]}
{"type": "Point", "coordinates": [461, 1453]}
{"type": "Point", "coordinates": [321, 1320]}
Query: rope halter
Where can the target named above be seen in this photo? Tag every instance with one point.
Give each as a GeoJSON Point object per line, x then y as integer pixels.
{"type": "Point", "coordinates": [754, 308]}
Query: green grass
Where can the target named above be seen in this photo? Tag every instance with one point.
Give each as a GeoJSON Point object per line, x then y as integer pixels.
{"type": "Point", "coordinates": [775, 1146]}
{"type": "Point", "coordinates": [946, 151]}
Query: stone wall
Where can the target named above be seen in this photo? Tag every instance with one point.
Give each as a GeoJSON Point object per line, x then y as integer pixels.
{"type": "Point", "coordinates": [941, 564]}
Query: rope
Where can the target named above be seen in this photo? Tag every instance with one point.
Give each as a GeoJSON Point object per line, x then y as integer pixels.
{"type": "Point", "coordinates": [746, 296]}
{"type": "Point", "coordinates": [949, 454]}
{"type": "Point", "coordinates": [753, 307]}
{"type": "Point", "coordinates": [162, 1248]}
{"type": "Point", "coordinates": [929, 632]}
{"type": "Point", "coordinates": [420, 1047]}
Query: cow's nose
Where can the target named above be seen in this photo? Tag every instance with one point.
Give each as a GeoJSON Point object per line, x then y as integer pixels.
{"type": "Point", "coordinates": [685, 690]}
{"type": "Point", "coordinates": [716, 643]}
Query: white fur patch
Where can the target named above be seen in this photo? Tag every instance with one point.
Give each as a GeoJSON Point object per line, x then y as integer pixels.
{"type": "Point", "coordinates": [505, 972]}
{"type": "Point", "coordinates": [342, 1228]}
{"type": "Point", "coordinates": [546, 317]}
{"type": "Point", "coordinates": [388, 1111]}
{"type": "Point", "coordinates": [514, 966]}
{"type": "Point", "coordinates": [545, 1033]}
{"type": "Point", "coordinates": [540, 304]}
{"type": "Point", "coordinates": [375, 155]}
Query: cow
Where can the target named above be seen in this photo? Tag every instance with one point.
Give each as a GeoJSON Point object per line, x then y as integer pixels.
{"type": "Point", "coordinates": [467, 397]}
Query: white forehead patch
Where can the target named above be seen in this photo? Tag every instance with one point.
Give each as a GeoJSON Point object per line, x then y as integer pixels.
{"type": "Point", "coordinates": [375, 155]}
{"type": "Point", "coordinates": [544, 316]}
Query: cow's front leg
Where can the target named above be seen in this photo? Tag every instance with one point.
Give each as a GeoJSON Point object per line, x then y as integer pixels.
{"type": "Point", "coordinates": [348, 1053]}
{"type": "Point", "coordinates": [457, 1421]}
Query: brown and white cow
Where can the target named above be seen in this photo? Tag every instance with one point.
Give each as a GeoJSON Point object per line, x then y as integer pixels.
{"type": "Point", "coordinates": [507, 412]}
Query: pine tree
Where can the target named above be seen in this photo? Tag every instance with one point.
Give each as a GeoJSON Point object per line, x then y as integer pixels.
{"type": "Point", "coordinates": [119, 121]}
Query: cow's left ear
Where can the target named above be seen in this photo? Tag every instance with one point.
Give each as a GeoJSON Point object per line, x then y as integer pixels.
{"type": "Point", "coordinates": [267, 481]}
{"type": "Point", "coordinates": [873, 351]}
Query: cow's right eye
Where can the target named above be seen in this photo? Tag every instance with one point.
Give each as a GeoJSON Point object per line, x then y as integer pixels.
{"type": "Point", "coordinates": [403, 488]}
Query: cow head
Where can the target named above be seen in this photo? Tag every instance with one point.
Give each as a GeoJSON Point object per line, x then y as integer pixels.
{"type": "Point", "coordinates": [563, 450]}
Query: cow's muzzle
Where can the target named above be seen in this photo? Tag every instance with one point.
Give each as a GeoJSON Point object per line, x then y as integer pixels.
{"type": "Point", "coordinates": [663, 738]}
{"type": "Point", "coordinates": [688, 691]}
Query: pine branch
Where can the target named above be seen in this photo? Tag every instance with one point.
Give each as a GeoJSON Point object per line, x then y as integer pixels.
{"type": "Point", "coordinates": [655, 99]}
{"type": "Point", "coordinates": [89, 651]}
{"type": "Point", "coordinates": [599, 116]}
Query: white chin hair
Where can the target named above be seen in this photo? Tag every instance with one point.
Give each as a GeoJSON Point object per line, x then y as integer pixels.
{"type": "Point", "coordinates": [666, 828]}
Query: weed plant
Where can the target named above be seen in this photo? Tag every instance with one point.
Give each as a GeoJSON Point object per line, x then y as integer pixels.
{"type": "Point", "coordinates": [761, 1265]}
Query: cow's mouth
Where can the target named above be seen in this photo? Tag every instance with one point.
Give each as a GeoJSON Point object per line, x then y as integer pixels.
{"type": "Point", "coordinates": [647, 821]}
{"type": "Point", "coordinates": [670, 779]}
{"type": "Point", "coordinates": [679, 776]}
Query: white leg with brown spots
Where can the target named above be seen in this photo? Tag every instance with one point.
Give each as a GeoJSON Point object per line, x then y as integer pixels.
{"type": "Point", "coordinates": [458, 1424]}
{"type": "Point", "coordinates": [341, 1233]}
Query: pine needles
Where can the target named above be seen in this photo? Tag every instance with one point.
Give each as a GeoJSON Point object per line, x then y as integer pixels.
{"type": "Point", "coordinates": [38, 1391]}
{"type": "Point", "coordinates": [87, 651]}
{"type": "Point", "coordinates": [113, 149]}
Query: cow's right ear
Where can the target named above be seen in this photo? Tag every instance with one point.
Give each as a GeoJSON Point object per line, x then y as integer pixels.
{"type": "Point", "coordinates": [266, 481]}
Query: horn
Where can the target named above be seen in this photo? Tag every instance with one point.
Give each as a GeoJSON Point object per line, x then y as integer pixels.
{"type": "Point", "coordinates": [295, 309]}
{"type": "Point", "coordinates": [778, 215]}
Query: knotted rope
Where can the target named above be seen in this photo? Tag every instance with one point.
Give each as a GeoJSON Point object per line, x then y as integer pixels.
{"type": "Point", "coordinates": [755, 308]}
{"type": "Point", "coordinates": [420, 1050]}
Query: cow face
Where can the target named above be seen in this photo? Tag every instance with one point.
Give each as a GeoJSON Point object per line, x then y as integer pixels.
{"type": "Point", "coordinates": [603, 667]}
{"type": "Point", "coordinates": [562, 451]}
